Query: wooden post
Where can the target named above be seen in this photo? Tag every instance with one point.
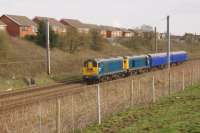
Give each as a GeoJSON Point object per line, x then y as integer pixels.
{"type": "Point", "coordinates": [98, 104]}
{"type": "Point", "coordinates": [183, 80]}
{"type": "Point", "coordinates": [58, 116]}
{"type": "Point", "coordinates": [153, 90]}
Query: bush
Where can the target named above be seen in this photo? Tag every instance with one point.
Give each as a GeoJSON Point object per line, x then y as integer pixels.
{"type": "Point", "coordinates": [41, 36]}
{"type": "Point", "coordinates": [139, 42]}
{"type": "Point", "coordinates": [31, 38]}
{"type": "Point", "coordinates": [40, 39]}
{"type": "Point", "coordinates": [4, 44]}
{"type": "Point", "coordinates": [72, 40]}
{"type": "Point", "coordinates": [96, 40]}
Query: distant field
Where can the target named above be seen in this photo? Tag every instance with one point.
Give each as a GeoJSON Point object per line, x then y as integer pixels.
{"type": "Point", "coordinates": [179, 113]}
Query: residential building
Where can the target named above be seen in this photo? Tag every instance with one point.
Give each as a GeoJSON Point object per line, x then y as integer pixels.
{"type": "Point", "coordinates": [56, 26]}
{"type": "Point", "coordinates": [106, 31]}
{"type": "Point", "coordinates": [117, 32]}
{"type": "Point", "coordinates": [127, 33]}
{"type": "Point", "coordinates": [2, 26]}
{"type": "Point", "coordinates": [78, 25]}
{"type": "Point", "coordinates": [19, 25]}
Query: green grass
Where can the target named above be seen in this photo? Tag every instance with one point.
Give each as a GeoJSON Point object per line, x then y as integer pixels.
{"type": "Point", "coordinates": [179, 113]}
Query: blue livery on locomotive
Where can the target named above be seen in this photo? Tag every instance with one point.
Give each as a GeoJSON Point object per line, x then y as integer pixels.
{"type": "Point", "coordinates": [112, 68]}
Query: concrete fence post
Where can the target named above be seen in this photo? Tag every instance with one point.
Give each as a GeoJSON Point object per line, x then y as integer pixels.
{"type": "Point", "coordinates": [183, 80]}
{"type": "Point", "coordinates": [73, 122]}
{"type": "Point", "coordinates": [198, 67]}
{"type": "Point", "coordinates": [132, 93]}
{"type": "Point", "coordinates": [190, 77]}
{"type": "Point", "coordinates": [40, 117]}
{"type": "Point", "coordinates": [169, 81]}
{"type": "Point", "coordinates": [139, 90]}
{"type": "Point", "coordinates": [153, 89]}
{"type": "Point", "coordinates": [58, 116]}
{"type": "Point", "coordinates": [98, 104]}
{"type": "Point", "coordinates": [193, 76]}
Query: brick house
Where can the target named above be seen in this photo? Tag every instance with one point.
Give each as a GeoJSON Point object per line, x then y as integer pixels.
{"type": "Point", "coordinates": [56, 26]}
{"type": "Point", "coordinates": [106, 31]}
{"type": "Point", "coordinates": [20, 26]}
{"type": "Point", "coordinates": [117, 32]}
{"type": "Point", "coordinates": [2, 26]}
{"type": "Point", "coordinates": [78, 25]}
{"type": "Point", "coordinates": [127, 33]}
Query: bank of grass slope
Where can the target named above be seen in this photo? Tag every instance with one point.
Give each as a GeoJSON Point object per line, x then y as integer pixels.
{"type": "Point", "coordinates": [176, 114]}
{"type": "Point", "coordinates": [26, 59]}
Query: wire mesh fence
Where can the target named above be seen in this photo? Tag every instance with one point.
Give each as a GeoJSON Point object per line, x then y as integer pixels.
{"type": "Point", "coordinates": [68, 113]}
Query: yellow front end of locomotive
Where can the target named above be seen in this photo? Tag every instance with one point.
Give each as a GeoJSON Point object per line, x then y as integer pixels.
{"type": "Point", "coordinates": [126, 64]}
{"type": "Point", "coordinates": [90, 69]}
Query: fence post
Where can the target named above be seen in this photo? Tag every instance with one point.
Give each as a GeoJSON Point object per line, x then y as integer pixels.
{"type": "Point", "coordinates": [58, 116]}
{"type": "Point", "coordinates": [193, 77]}
{"type": "Point", "coordinates": [183, 80]}
{"type": "Point", "coordinates": [98, 104]}
{"type": "Point", "coordinates": [198, 67]}
{"type": "Point", "coordinates": [169, 80]}
{"type": "Point", "coordinates": [190, 77]}
{"type": "Point", "coordinates": [132, 92]}
{"type": "Point", "coordinates": [139, 88]}
{"type": "Point", "coordinates": [153, 90]}
{"type": "Point", "coordinates": [73, 113]}
{"type": "Point", "coordinates": [40, 115]}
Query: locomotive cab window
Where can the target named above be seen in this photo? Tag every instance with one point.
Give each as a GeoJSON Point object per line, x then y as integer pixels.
{"type": "Point", "coordinates": [90, 63]}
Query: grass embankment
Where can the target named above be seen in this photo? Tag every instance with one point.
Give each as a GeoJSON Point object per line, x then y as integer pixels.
{"type": "Point", "coordinates": [25, 59]}
{"type": "Point", "coordinates": [179, 113]}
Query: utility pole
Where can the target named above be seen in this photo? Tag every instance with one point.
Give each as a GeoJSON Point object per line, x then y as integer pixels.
{"type": "Point", "coordinates": [168, 51]}
{"type": "Point", "coordinates": [156, 45]}
{"type": "Point", "coordinates": [48, 48]}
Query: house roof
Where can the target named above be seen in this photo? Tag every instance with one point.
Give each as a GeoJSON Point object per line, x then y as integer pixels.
{"type": "Point", "coordinates": [52, 21]}
{"type": "Point", "coordinates": [21, 20]}
{"type": "Point", "coordinates": [103, 27]}
{"type": "Point", "coordinates": [76, 23]}
{"type": "Point", "coordinates": [2, 23]}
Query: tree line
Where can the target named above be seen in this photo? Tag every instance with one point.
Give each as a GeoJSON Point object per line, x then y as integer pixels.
{"type": "Point", "coordinates": [70, 41]}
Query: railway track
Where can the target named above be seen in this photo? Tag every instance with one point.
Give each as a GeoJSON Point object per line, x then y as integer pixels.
{"type": "Point", "coordinates": [16, 98]}
{"type": "Point", "coordinates": [13, 99]}
{"type": "Point", "coordinates": [25, 99]}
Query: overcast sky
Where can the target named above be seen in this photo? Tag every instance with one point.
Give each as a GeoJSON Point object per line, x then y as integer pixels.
{"type": "Point", "coordinates": [185, 14]}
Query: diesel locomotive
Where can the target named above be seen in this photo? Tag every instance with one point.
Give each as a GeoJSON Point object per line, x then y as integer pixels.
{"type": "Point", "coordinates": [97, 70]}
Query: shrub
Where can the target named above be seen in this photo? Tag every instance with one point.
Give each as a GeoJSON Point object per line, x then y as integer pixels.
{"type": "Point", "coordinates": [40, 39]}
{"type": "Point", "coordinates": [31, 38]}
{"type": "Point", "coordinates": [139, 42]}
{"type": "Point", "coordinates": [96, 40]}
{"type": "Point", "coordinates": [4, 44]}
{"type": "Point", "coordinates": [72, 40]}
